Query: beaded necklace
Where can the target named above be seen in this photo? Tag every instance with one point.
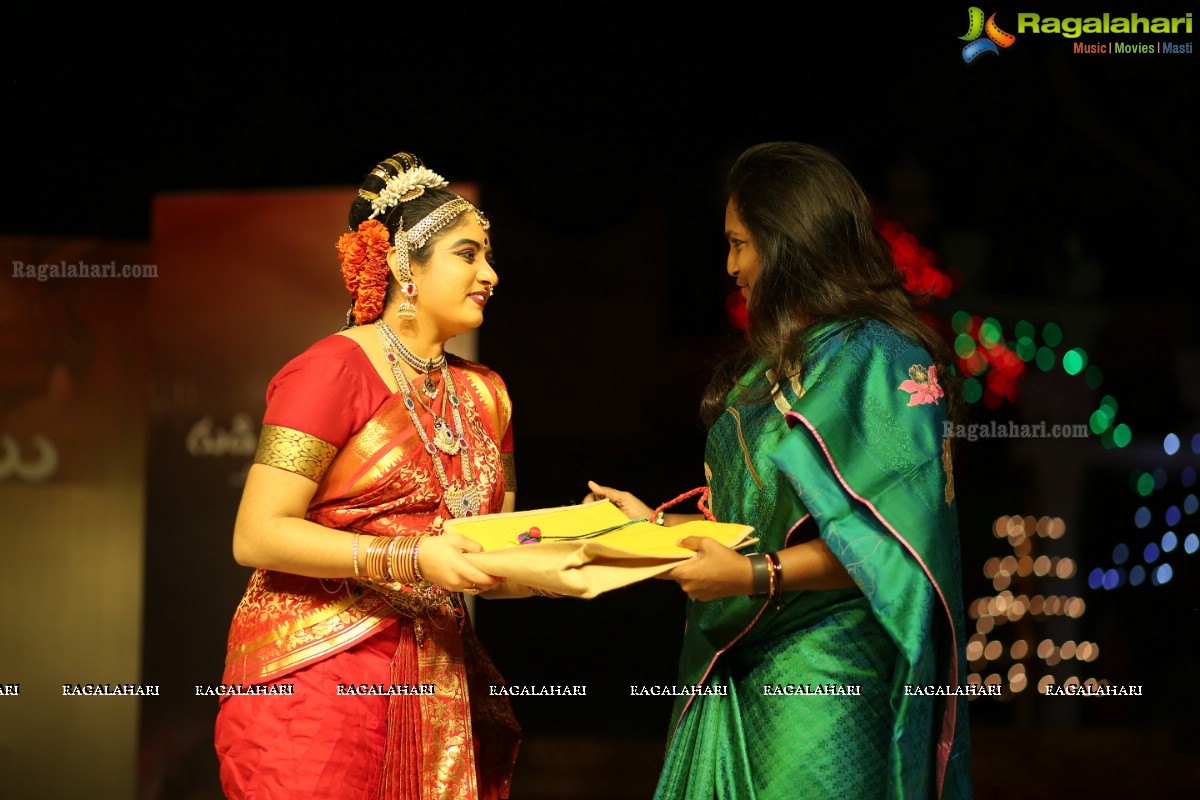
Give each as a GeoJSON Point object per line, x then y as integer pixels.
{"type": "Point", "coordinates": [425, 366]}
{"type": "Point", "coordinates": [461, 500]}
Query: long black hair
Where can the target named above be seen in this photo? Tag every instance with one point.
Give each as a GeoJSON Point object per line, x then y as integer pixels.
{"type": "Point", "coordinates": [821, 256]}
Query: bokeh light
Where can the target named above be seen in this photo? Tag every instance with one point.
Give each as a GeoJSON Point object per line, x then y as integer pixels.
{"type": "Point", "coordinates": [1074, 361]}
{"type": "Point", "coordinates": [1052, 334]}
{"type": "Point", "coordinates": [1122, 436]}
{"type": "Point", "coordinates": [1162, 575]}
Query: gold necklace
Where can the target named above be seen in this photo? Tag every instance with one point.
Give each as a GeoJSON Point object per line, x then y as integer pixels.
{"type": "Point", "coordinates": [424, 366]}
{"type": "Point", "coordinates": [462, 500]}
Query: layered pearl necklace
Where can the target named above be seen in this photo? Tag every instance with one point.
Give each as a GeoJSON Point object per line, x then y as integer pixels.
{"type": "Point", "coordinates": [461, 500]}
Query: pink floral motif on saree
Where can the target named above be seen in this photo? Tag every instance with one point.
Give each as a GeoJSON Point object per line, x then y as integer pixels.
{"type": "Point", "coordinates": [922, 385]}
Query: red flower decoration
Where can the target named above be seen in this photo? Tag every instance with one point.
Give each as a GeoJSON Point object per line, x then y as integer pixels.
{"type": "Point", "coordinates": [364, 268]}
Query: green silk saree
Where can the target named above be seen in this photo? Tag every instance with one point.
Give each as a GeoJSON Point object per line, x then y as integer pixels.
{"type": "Point", "coordinates": [816, 702]}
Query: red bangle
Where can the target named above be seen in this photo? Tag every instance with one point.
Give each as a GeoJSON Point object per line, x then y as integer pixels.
{"type": "Point", "coordinates": [776, 580]}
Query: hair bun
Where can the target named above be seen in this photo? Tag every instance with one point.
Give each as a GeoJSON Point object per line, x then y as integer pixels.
{"type": "Point", "coordinates": [376, 198]}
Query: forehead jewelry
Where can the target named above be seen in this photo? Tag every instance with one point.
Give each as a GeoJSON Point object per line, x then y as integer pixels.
{"type": "Point", "coordinates": [407, 242]}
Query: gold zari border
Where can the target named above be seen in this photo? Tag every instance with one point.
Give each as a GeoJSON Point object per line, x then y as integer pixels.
{"type": "Point", "coordinates": [294, 451]}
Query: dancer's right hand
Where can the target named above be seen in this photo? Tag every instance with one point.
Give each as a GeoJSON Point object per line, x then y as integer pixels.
{"type": "Point", "coordinates": [442, 563]}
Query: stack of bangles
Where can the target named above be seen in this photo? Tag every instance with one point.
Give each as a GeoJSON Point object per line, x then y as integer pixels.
{"type": "Point", "coordinates": [390, 559]}
{"type": "Point", "coordinates": [393, 559]}
{"type": "Point", "coordinates": [768, 577]}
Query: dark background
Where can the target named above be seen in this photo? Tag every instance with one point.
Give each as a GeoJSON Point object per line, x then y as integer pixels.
{"type": "Point", "coordinates": [599, 138]}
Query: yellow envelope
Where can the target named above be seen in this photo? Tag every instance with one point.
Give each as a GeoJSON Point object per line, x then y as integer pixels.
{"type": "Point", "coordinates": [584, 567]}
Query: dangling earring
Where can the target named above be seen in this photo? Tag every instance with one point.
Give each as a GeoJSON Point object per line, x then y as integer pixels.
{"type": "Point", "coordinates": [402, 270]}
{"type": "Point", "coordinates": [406, 309]}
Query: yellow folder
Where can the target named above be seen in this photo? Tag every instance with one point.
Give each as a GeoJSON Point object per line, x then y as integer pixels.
{"type": "Point", "coordinates": [584, 567]}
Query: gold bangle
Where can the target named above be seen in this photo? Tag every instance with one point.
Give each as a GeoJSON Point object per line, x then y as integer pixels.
{"type": "Point", "coordinates": [356, 573]}
{"type": "Point", "coordinates": [376, 556]}
{"type": "Point", "coordinates": [382, 558]}
{"type": "Point", "coordinates": [406, 559]}
{"type": "Point", "coordinates": [398, 559]}
{"type": "Point", "coordinates": [390, 559]}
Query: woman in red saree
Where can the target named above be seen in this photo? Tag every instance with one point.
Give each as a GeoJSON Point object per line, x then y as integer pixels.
{"type": "Point", "coordinates": [352, 670]}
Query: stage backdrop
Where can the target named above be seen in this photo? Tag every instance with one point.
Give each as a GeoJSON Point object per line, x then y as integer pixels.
{"type": "Point", "coordinates": [72, 437]}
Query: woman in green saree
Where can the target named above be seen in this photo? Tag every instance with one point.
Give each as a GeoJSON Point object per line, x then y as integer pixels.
{"type": "Point", "coordinates": [839, 638]}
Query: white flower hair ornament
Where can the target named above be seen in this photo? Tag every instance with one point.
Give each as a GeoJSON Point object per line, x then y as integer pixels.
{"type": "Point", "coordinates": [406, 186]}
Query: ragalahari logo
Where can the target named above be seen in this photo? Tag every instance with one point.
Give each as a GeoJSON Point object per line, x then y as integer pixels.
{"type": "Point", "coordinates": [976, 27]}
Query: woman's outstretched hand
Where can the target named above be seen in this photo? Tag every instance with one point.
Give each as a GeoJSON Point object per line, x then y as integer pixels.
{"type": "Point", "coordinates": [442, 563]}
{"type": "Point", "coordinates": [630, 505]}
{"type": "Point", "coordinates": [715, 571]}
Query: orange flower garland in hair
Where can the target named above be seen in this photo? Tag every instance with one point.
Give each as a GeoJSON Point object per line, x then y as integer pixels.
{"type": "Point", "coordinates": [365, 269]}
